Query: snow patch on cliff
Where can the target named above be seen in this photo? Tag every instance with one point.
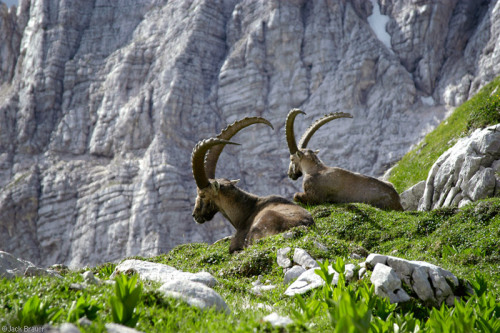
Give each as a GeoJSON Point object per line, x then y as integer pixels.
{"type": "Point", "coordinates": [378, 22]}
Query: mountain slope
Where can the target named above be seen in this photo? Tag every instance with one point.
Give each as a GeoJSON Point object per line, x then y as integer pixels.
{"type": "Point", "coordinates": [101, 103]}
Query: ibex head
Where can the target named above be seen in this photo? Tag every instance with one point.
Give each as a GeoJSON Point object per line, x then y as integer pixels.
{"type": "Point", "coordinates": [209, 188]}
{"type": "Point", "coordinates": [300, 153]}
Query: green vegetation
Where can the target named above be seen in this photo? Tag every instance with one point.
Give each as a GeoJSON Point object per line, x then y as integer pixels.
{"type": "Point", "coordinates": [356, 308]}
{"type": "Point", "coordinates": [125, 300]}
{"type": "Point", "coordinates": [465, 241]}
{"type": "Point", "coordinates": [480, 111]}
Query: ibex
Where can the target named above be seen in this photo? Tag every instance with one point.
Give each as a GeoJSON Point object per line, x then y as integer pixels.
{"type": "Point", "coordinates": [252, 216]}
{"type": "Point", "coordinates": [329, 184]}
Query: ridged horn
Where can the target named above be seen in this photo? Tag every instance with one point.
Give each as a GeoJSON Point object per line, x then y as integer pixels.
{"type": "Point", "coordinates": [227, 134]}
{"type": "Point", "coordinates": [289, 132]}
{"type": "Point", "coordinates": [198, 159]}
{"type": "Point", "coordinates": [317, 124]}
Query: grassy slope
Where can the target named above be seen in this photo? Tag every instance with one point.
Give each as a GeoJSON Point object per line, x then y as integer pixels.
{"type": "Point", "coordinates": [465, 241]}
{"type": "Point", "coordinates": [343, 229]}
{"type": "Point", "coordinates": [480, 111]}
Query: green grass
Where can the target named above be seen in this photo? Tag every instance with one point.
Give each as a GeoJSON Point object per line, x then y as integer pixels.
{"type": "Point", "coordinates": [465, 241]}
{"type": "Point", "coordinates": [480, 111]}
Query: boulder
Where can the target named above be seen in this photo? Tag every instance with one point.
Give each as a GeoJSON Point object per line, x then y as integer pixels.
{"type": "Point", "coordinates": [195, 294]}
{"type": "Point", "coordinates": [162, 273]}
{"type": "Point", "coordinates": [466, 172]}
{"type": "Point", "coordinates": [11, 267]}
{"type": "Point", "coordinates": [387, 284]}
{"type": "Point", "coordinates": [432, 284]}
{"type": "Point", "coordinates": [412, 196]}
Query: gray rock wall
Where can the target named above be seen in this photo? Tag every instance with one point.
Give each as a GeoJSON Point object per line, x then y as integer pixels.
{"type": "Point", "coordinates": [101, 103]}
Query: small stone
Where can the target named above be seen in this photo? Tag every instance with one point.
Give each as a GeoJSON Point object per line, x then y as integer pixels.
{"type": "Point", "coordinates": [349, 272]}
{"type": "Point", "coordinates": [293, 273]}
{"type": "Point", "coordinates": [277, 320]}
{"type": "Point", "coordinates": [282, 258]}
{"type": "Point", "coordinates": [320, 246]}
{"type": "Point", "coordinates": [258, 289]}
{"type": "Point", "coordinates": [89, 278]}
{"type": "Point", "coordinates": [301, 257]}
{"type": "Point", "coordinates": [117, 328]}
{"type": "Point", "coordinates": [76, 286]}
{"type": "Point", "coordinates": [361, 272]}
{"type": "Point", "coordinates": [256, 283]}
{"type": "Point", "coordinates": [309, 280]}
{"type": "Point", "coordinates": [84, 321]}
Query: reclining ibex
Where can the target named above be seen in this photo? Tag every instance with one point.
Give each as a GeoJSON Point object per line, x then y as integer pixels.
{"type": "Point", "coordinates": [329, 184]}
{"type": "Point", "coordinates": [252, 216]}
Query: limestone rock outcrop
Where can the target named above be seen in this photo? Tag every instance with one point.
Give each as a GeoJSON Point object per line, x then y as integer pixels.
{"type": "Point", "coordinates": [468, 171]}
{"type": "Point", "coordinates": [101, 103]}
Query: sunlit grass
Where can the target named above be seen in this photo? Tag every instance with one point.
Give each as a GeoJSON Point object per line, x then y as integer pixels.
{"type": "Point", "coordinates": [480, 111]}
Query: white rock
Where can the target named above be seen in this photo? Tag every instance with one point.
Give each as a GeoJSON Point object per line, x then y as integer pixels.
{"type": "Point", "coordinates": [361, 272]}
{"type": "Point", "coordinates": [293, 273]}
{"type": "Point", "coordinates": [387, 284]}
{"type": "Point", "coordinates": [430, 282]}
{"type": "Point", "coordinates": [412, 196]}
{"type": "Point", "coordinates": [11, 267]}
{"type": "Point", "coordinates": [71, 328]}
{"type": "Point", "coordinates": [301, 257]}
{"type": "Point", "coordinates": [195, 294]}
{"type": "Point", "coordinates": [373, 259]}
{"type": "Point", "coordinates": [258, 289]}
{"type": "Point", "coordinates": [349, 272]}
{"type": "Point", "coordinates": [117, 328]}
{"type": "Point", "coordinates": [307, 281]}
{"type": "Point", "coordinates": [465, 172]}
{"type": "Point", "coordinates": [356, 256]}
{"type": "Point", "coordinates": [89, 277]}
{"type": "Point", "coordinates": [277, 321]}
{"type": "Point", "coordinates": [282, 258]}
{"type": "Point", "coordinates": [162, 273]}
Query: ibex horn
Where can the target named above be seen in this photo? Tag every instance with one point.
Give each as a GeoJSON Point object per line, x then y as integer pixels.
{"type": "Point", "coordinates": [318, 123]}
{"type": "Point", "coordinates": [198, 159]}
{"type": "Point", "coordinates": [289, 132]}
{"type": "Point", "coordinates": [227, 134]}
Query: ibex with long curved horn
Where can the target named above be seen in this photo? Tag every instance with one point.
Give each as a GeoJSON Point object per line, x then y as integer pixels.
{"type": "Point", "coordinates": [252, 216]}
{"type": "Point", "coordinates": [329, 184]}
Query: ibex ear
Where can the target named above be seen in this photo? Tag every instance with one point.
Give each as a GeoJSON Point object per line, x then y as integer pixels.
{"type": "Point", "coordinates": [235, 181]}
{"type": "Point", "coordinates": [299, 154]}
{"type": "Point", "coordinates": [215, 186]}
{"type": "Point", "coordinates": [316, 151]}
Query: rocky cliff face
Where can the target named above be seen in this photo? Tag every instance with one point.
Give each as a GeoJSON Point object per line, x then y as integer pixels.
{"type": "Point", "coordinates": [101, 103]}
